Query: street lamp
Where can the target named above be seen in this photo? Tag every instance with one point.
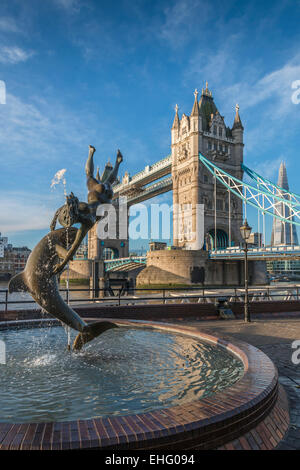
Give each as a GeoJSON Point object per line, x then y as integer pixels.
{"type": "Point", "coordinates": [245, 232]}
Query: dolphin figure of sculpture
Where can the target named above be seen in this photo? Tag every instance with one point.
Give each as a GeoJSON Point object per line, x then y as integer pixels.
{"type": "Point", "coordinates": [39, 279]}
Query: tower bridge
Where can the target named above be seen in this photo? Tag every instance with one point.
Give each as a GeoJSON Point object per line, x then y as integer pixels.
{"type": "Point", "coordinates": [181, 172]}
{"type": "Point", "coordinates": [205, 167]}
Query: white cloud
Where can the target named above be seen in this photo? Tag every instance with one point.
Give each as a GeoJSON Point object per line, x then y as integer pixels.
{"type": "Point", "coordinates": [8, 25]}
{"type": "Point", "coordinates": [268, 98]}
{"type": "Point", "coordinates": [14, 55]}
{"type": "Point", "coordinates": [274, 86]}
{"type": "Point", "coordinates": [42, 127]}
{"type": "Point", "coordinates": [24, 211]}
{"type": "Point", "coordinates": [42, 135]}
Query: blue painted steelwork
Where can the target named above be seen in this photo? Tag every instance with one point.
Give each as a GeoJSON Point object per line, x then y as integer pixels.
{"type": "Point", "coordinates": [271, 252]}
{"type": "Point", "coordinates": [117, 264]}
{"type": "Point", "coordinates": [240, 188]}
{"type": "Point", "coordinates": [274, 187]}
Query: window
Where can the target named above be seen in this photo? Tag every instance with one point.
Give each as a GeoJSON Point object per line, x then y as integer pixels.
{"type": "Point", "coordinates": [209, 145]}
{"type": "Point", "coordinates": [108, 253]}
{"type": "Point", "coordinates": [220, 131]}
{"type": "Point", "coordinates": [215, 130]}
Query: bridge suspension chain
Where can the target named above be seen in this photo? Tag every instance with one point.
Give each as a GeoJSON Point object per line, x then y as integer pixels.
{"type": "Point", "coordinates": [263, 199]}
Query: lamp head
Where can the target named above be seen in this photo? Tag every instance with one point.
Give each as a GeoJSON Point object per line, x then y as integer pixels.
{"type": "Point", "coordinates": [245, 230]}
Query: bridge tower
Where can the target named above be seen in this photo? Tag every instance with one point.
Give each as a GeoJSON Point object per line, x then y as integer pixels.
{"type": "Point", "coordinates": [108, 248]}
{"type": "Point", "coordinates": [205, 131]}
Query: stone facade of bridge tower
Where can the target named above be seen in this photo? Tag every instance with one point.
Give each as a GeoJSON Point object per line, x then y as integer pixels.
{"type": "Point", "coordinates": [205, 131]}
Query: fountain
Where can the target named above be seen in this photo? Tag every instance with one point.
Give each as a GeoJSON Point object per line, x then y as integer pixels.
{"type": "Point", "coordinates": [42, 267]}
{"type": "Point", "coordinates": [141, 385]}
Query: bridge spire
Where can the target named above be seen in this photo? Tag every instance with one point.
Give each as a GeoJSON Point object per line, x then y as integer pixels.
{"type": "Point", "coordinates": [206, 91]}
{"type": "Point", "coordinates": [176, 122]}
{"type": "Point", "coordinates": [195, 110]}
{"type": "Point", "coordinates": [237, 123]}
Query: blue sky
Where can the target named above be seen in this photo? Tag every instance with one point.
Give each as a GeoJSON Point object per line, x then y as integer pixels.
{"type": "Point", "coordinates": [81, 72]}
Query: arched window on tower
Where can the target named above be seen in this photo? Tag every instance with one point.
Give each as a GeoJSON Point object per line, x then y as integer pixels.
{"type": "Point", "coordinates": [108, 253]}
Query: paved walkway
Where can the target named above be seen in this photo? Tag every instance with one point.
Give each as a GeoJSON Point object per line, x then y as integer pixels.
{"type": "Point", "coordinates": [275, 338]}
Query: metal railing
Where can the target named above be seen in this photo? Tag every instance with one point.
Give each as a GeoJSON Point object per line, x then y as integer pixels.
{"type": "Point", "coordinates": [144, 296]}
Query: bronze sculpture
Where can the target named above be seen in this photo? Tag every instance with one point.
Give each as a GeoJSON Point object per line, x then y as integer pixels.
{"type": "Point", "coordinates": [40, 274]}
{"type": "Point", "coordinates": [99, 192]}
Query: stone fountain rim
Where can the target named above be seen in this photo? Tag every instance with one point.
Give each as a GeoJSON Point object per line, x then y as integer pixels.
{"type": "Point", "coordinates": [205, 423]}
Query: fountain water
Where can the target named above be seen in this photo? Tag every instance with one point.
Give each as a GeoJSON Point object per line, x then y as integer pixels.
{"type": "Point", "coordinates": [58, 178]}
{"type": "Point", "coordinates": [126, 371]}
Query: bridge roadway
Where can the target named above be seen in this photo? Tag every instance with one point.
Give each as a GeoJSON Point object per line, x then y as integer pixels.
{"type": "Point", "coordinates": [124, 264]}
{"type": "Point", "coordinates": [282, 252]}
{"type": "Point", "coordinates": [138, 188]}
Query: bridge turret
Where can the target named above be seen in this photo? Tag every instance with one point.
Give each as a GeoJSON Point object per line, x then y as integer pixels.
{"type": "Point", "coordinates": [175, 126]}
{"type": "Point", "coordinates": [238, 136]}
{"type": "Point", "coordinates": [237, 128]}
{"type": "Point", "coordinates": [195, 117]}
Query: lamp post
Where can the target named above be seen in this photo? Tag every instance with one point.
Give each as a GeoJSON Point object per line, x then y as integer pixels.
{"type": "Point", "coordinates": [245, 232]}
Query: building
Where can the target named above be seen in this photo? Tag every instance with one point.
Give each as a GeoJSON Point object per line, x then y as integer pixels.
{"type": "Point", "coordinates": [82, 251]}
{"type": "Point", "coordinates": [283, 233]}
{"type": "Point", "coordinates": [255, 239]}
{"type": "Point", "coordinates": [289, 268]}
{"type": "Point", "coordinates": [3, 245]}
{"type": "Point", "coordinates": [205, 131]}
{"type": "Point", "coordinates": [12, 259]}
{"type": "Point", "coordinates": [3, 241]}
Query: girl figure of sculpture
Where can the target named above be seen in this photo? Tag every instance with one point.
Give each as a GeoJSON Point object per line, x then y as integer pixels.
{"type": "Point", "coordinates": [100, 191]}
